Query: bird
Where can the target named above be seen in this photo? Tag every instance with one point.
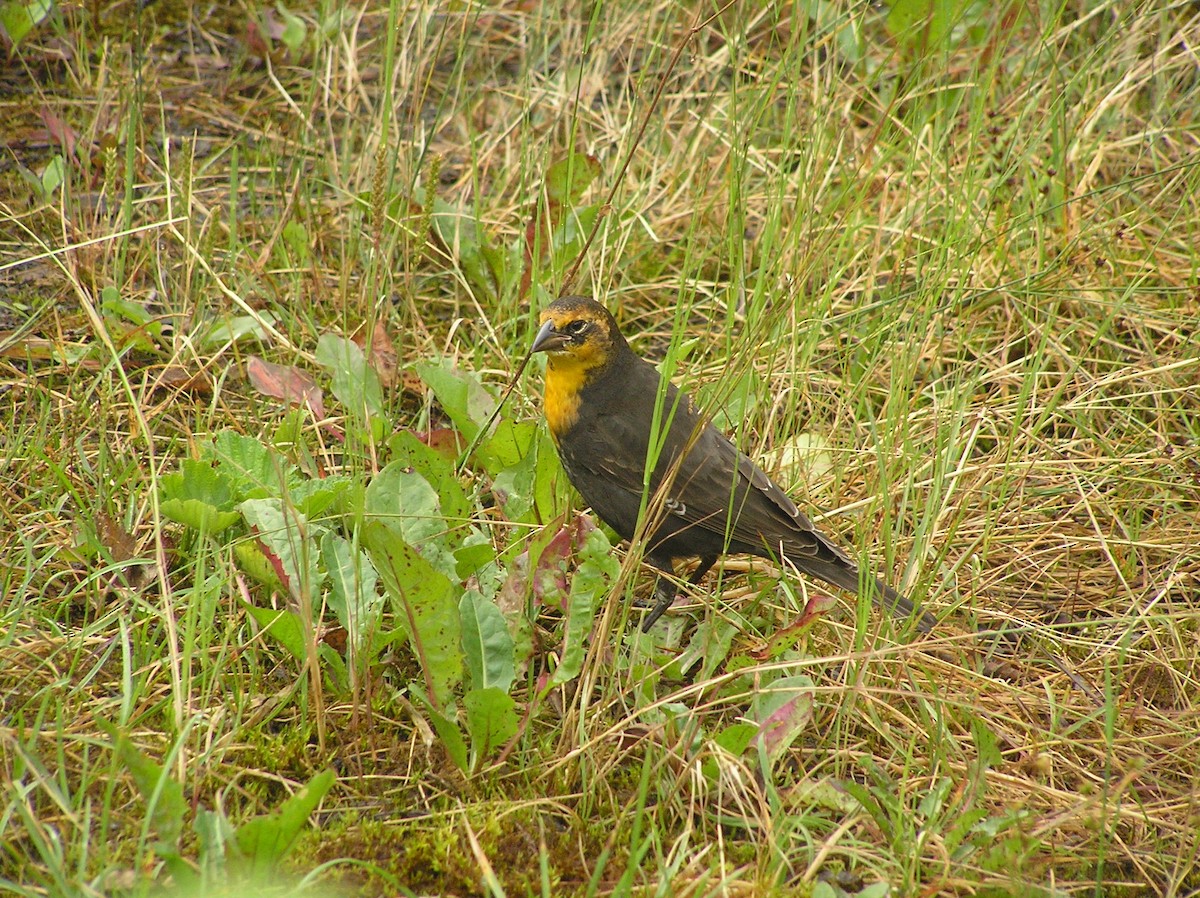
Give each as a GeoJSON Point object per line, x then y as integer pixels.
{"type": "Point", "coordinates": [600, 402]}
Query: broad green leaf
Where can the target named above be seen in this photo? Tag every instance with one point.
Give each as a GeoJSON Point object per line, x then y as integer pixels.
{"type": "Point", "coordinates": [295, 235]}
{"type": "Point", "coordinates": [580, 615]}
{"type": "Point", "coordinates": [460, 395]}
{"type": "Point", "coordinates": [504, 265]}
{"type": "Point", "coordinates": [427, 602]}
{"type": "Point", "coordinates": [255, 469]}
{"type": "Point", "coordinates": [514, 488]}
{"type": "Point", "coordinates": [549, 478]}
{"type": "Point", "coordinates": [507, 446]}
{"type": "Point", "coordinates": [487, 644]}
{"type": "Point", "coordinates": [467, 243]}
{"type": "Point", "coordinates": [264, 841]}
{"type": "Point", "coordinates": [831, 17]}
{"type": "Point", "coordinates": [880, 889]}
{"type": "Point", "coordinates": [572, 231]}
{"type": "Point", "coordinates": [199, 496]}
{"type": "Point", "coordinates": [409, 451]}
{"type": "Point", "coordinates": [827, 794]}
{"type": "Point", "coordinates": [491, 720]}
{"type": "Point", "coordinates": [282, 626]}
{"type": "Point", "coordinates": [166, 806]}
{"type": "Point", "coordinates": [476, 560]}
{"type": "Point", "coordinates": [510, 456]}
{"type": "Point", "coordinates": [214, 835]}
{"type": "Point", "coordinates": [237, 328]}
{"type": "Point", "coordinates": [197, 479]}
{"type": "Point", "coordinates": [198, 515]}
{"type": "Point", "coordinates": [822, 889]}
{"type": "Point", "coordinates": [53, 175]}
{"type": "Point", "coordinates": [736, 737]}
{"type": "Point", "coordinates": [19, 18]}
{"type": "Point", "coordinates": [353, 590]}
{"type": "Point", "coordinates": [113, 304]}
{"type": "Point", "coordinates": [31, 178]}
{"type": "Point", "coordinates": [567, 179]}
{"type": "Point", "coordinates": [446, 728]}
{"type": "Point", "coordinates": [406, 503]}
{"type": "Point", "coordinates": [933, 802]}
{"type": "Point", "coordinates": [313, 498]}
{"type": "Point", "coordinates": [294, 33]}
{"type": "Point", "coordinates": [353, 381]}
{"type": "Point", "coordinates": [710, 644]}
{"type": "Point", "coordinates": [292, 541]}
{"type": "Point", "coordinates": [987, 746]}
{"type": "Point", "coordinates": [252, 558]}
{"type": "Point", "coordinates": [733, 739]}
{"type": "Point", "coordinates": [332, 664]}
{"type": "Point", "coordinates": [924, 23]}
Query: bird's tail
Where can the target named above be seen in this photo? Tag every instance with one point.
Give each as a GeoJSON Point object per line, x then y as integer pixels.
{"type": "Point", "coordinates": [900, 606]}
{"type": "Point", "coordinates": [848, 577]}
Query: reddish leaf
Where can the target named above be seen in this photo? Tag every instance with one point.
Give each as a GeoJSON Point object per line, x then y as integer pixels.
{"type": "Point", "coordinates": [60, 131]}
{"type": "Point", "coordinates": [274, 26]}
{"type": "Point", "coordinates": [286, 382]}
{"type": "Point", "coordinates": [632, 735]}
{"type": "Point", "coordinates": [818, 605]}
{"type": "Point", "coordinates": [383, 356]}
{"type": "Point", "coordinates": [527, 264]}
{"type": "Point", "coordinates": [511, 597]}
{"type": "Point", "coordinates": [410, 382]}
{"type": "Point", "coordinates": [335, 637]}
{"type": "Point", "coordinates": [548, 581]}
{"type": "Point", "coordinates": [782, 726]}
{"type": "Point", "coordinates": [256, 42]}
{"type": "Point", "coordinates": [176, 377]}
{"type": "Point", "coordinates": [445, 441]}
{"type": "Point", "coordinates": [120, 542]}
{"type": "Point", "coordinates": [276, 565]}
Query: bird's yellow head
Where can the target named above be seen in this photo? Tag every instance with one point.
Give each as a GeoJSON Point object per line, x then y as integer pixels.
{"type": "Point", "coordinates": [577, 330]}
{"type": "Point", "coordinates": [580, 336]}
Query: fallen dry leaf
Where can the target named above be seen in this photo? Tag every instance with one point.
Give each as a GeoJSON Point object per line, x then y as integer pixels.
{"type": "Point", "coordinates": [287, 382]}
{"type": "Point", "coordinates": [383, 356]}
{"type": "Point", "coordinates": [176, 377]}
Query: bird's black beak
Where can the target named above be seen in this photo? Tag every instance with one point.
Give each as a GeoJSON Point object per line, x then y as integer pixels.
{"type": "Point", "coordinates": [548, 339]}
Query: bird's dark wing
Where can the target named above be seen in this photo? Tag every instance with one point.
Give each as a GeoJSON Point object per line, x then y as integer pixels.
{"type": "Point", "coordinates": [753, 513]}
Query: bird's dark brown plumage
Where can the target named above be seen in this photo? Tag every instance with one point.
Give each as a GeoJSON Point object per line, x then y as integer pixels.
{"type": "Point", "coordinates": [600, 404]}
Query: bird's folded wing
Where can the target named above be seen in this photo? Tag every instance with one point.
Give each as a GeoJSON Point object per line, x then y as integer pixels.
{"type": "Point", "coordinates": [717, 477]}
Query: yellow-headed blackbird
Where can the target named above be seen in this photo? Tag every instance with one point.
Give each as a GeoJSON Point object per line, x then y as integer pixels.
{"type": "Point", "coordinates": [600, 403]}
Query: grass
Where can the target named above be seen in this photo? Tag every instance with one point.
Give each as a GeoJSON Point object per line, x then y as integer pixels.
{"type": "Point", "coordinates": [944, 284]}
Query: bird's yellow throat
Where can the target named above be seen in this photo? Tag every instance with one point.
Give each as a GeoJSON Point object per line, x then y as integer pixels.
{"type": "Point", "coordinates": [567, 373]}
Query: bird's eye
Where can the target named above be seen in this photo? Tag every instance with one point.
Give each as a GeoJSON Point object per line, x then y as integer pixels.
{"type": "Point", "coordinates": [578, 326]}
